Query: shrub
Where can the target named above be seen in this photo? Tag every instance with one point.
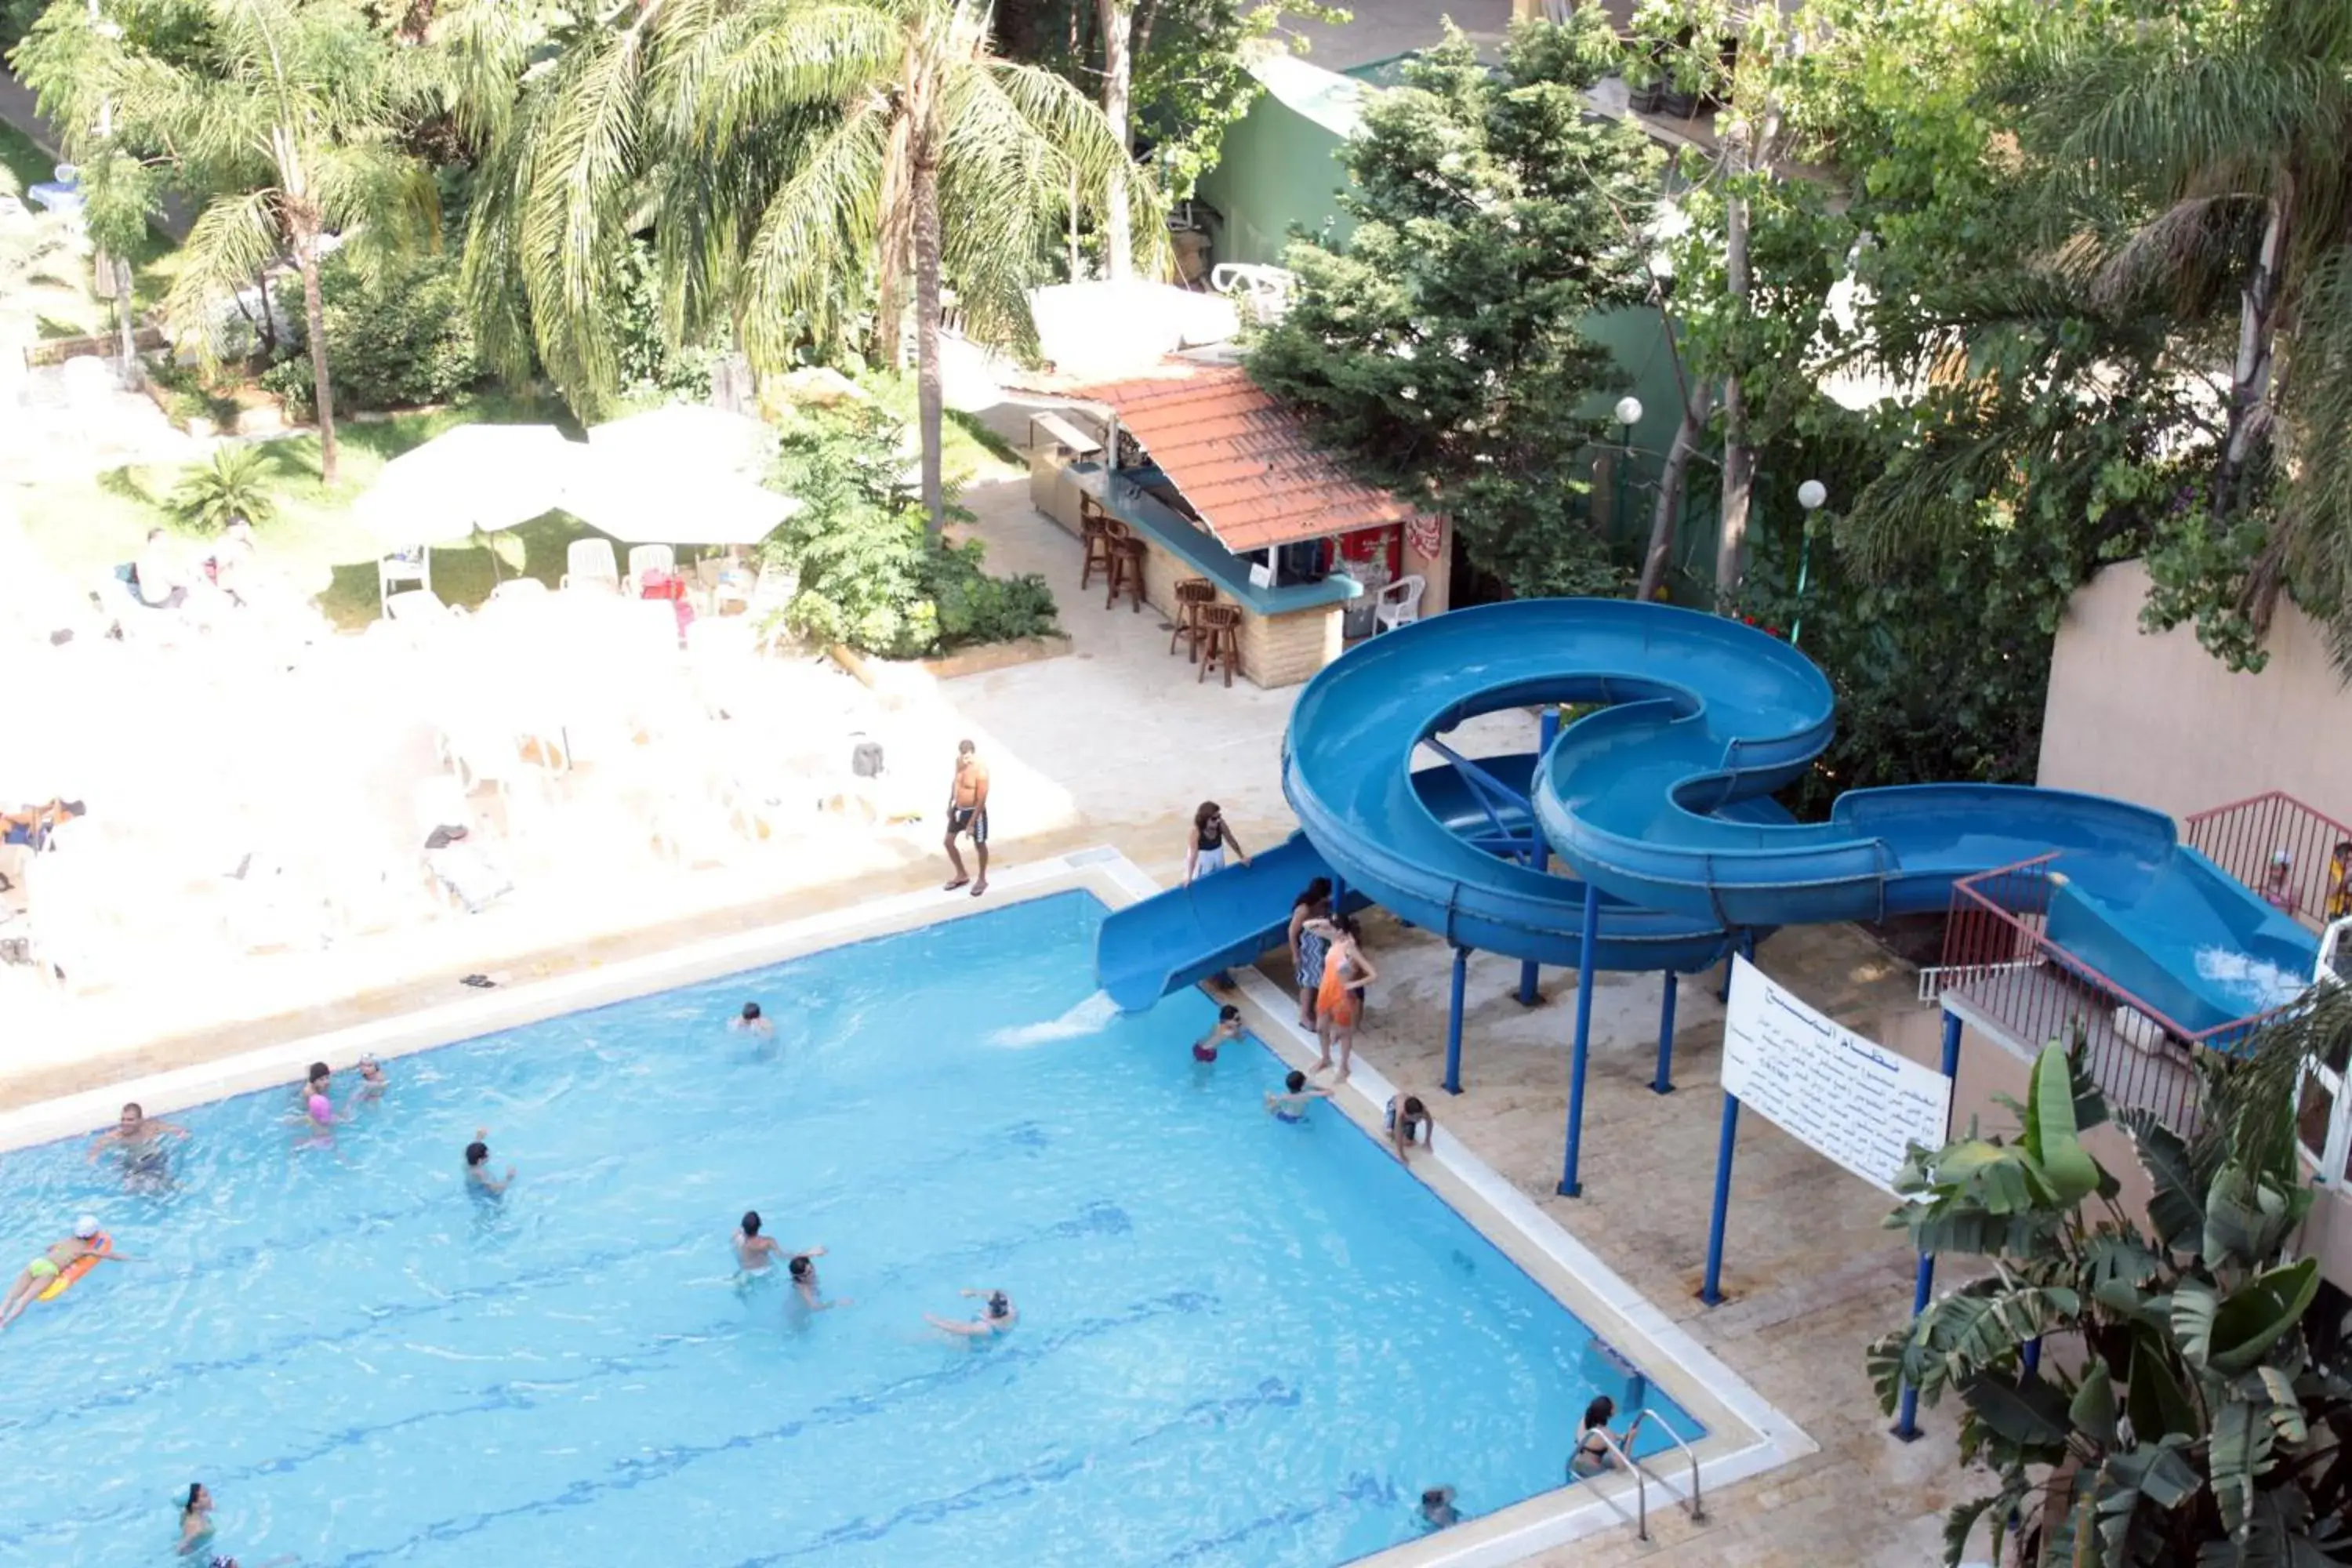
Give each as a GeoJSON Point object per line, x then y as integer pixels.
{"type": "Point", "coordinates": [866, 577]}
{"type": "Point", "coordinates": [232, 485]}
{"type": "Point", "coordinates": [404, 338]}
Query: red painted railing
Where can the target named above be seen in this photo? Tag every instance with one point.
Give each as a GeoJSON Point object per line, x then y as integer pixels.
{"type": "Point", "coordinates": [2246, 839]}
{"type": "Point", "coordinates": [2000, 963]}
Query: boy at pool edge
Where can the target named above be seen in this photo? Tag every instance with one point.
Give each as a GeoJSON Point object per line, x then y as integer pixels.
{"type": "Point", "coordinates": [1291, 1104]}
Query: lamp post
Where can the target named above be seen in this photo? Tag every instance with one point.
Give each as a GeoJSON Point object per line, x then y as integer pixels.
{"type": "Point", "coordinates": [1629, 414]}
{"type": "Point", "coordinates": [1810, 495]}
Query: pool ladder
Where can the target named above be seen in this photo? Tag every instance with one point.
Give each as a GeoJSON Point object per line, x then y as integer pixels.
{"type": "Point", "coordinates": [1693, 1503]}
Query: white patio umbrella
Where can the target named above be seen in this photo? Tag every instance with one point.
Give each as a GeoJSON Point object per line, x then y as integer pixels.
{"type": "Point", "coordinates": [683, 436]}
{"type": "Point", "coordinates": [673, 502]}
{"type": "Point", "coordinates": [473, 479]}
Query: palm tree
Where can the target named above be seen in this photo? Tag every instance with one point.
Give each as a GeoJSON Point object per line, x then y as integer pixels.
{"type": "Point", "coordinates": [282, 117]}
{"type": "Point", "coordinates": [2231, 126]}
{"type": "Point", "coordinates": [795, 161]}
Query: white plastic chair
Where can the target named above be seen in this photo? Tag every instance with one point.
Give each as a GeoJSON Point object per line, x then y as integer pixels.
{"type": "Point", "coordinates": [419, 605]}
{"type": "Point", "coordinates": [1264, 291]}
{"type": "Point", "coordinates": [403, 566]}
{"type": "Point", "coordinates": [589, 564]}
{"type": "Point", "coordinates": [644, 558]}
{"type": "Point", "coordinates": [1399, 604]}
{"type": "Point", "coordinates": [515, 588]}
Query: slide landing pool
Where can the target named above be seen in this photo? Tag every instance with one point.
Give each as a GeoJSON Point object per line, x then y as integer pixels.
{"type": "Point", "coordinates": [1662, 800]}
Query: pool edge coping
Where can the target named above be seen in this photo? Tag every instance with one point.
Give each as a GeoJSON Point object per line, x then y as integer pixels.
{"type": "Point", "coordinates": [1515, 1534]}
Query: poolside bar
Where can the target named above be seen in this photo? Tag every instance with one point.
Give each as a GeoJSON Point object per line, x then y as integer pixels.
{"type": "Point", "coordinates": [1220, 483]}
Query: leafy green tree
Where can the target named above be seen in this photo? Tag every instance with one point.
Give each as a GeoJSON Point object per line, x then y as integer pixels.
{"type": "Point", "coordinates": [396, 337]}
{"type": "Point", "coordinates": [1443, 345]}
{"type": "Point", "coordinates": [2177, 1414]}
{"type": "Point", "coordinates": [283, 118]}
{"type": "Point", "coordinates": [795, 160]}
{"type": "Point", "coordinates": [2224, 133]}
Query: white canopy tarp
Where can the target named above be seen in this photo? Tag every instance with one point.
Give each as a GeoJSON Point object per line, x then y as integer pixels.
{"type": "Point", "coordinates": [476, 476]}
{"type": "Point", "coordinates": [682, 504]}
{"type": "Point", "coordinates": [1109, 329]}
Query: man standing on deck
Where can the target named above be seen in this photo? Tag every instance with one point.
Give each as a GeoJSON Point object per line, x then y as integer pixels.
{"type": "Point", "coordinates": [968, 813]}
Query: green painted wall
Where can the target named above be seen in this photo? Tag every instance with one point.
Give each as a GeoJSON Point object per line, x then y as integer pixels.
{"type": "Point", "coordinates": [1280, 166]}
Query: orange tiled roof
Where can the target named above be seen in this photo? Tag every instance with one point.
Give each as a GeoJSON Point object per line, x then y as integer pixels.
{"type": "Point", "coordinates": [1243, 461]}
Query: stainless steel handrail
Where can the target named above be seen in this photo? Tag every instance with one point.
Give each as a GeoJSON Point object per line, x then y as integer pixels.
{"type": "Point", "coordinates": [1693, 1502]}
{"type": "Point", "coordinates": [1640, 1480]}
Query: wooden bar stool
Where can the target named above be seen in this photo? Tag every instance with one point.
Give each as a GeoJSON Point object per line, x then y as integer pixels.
{"type": "Point", "coordinates": [1126, 571]}
{"type": "Point", "coordinates": [1221, 638]}
{"type": "Point", "coordinates": [1191, 595]}
{"type": "Point", "coordinates": [1097, 529]}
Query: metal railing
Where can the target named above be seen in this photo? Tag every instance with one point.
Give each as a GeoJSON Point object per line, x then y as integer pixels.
{"type": "Point", "coordinates": [2000, 960]}
{"type": "Point", "coordinates": [2248, 837]}
{"type": "Point", "coordinates": [1693, 1504]}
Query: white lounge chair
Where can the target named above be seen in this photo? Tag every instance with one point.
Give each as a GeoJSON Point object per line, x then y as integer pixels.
{"type": "Point", "coordinates": [419, 605]}
{"type": "Point", "coordinates": [588, 565]}
{"type": "Point", "coordinates": [1399, 604]}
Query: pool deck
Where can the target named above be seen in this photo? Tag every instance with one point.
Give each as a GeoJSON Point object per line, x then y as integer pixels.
{"type": "Point", "coordinates": [1117, 743]}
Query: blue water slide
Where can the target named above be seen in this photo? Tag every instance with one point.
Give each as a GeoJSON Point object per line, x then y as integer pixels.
{"type": "Point", "coordinates": [1184, 935]}
{"type": "Point", "coordinates": [1662, 799]}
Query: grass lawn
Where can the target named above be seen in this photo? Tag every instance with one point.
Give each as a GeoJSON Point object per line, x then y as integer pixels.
{"type": "Point", "coordinates": [88, 526]}
{"type": "Point", "coordinates": [151, 266]}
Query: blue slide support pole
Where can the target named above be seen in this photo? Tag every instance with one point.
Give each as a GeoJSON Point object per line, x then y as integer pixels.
{"type": "Point", "coordinates": [1907, 1416]}
{"type": "Point", "coordinates": [2032, 1355]}
{"type": "Point", "coordinates": [1711, 1292]}
{"type": "Point", "coordinates": [1569, 1186]}
{"type": "Point", "coordinates": [1546, 732]}
{"type": "Point", "coordinates": [1665, 1082]}
{"type": "Point", "coordinates": [1453, 1022]}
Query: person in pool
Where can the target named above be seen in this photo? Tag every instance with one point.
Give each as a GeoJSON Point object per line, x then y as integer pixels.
{"type": "Point", "coordinates": [478, 1180]}
{"type": "Point", "coordinates": [1291, 1104]}
{"type": "Point", "coordinates": [195, 1520]}
{"type": "Point", "coordinates": [751, 1021]}
{"type": "Point", "coordinates": [1228, 1027]}
{"type": "Point", "coordinates": [319, 1080]}
{"type": "Point", "coordinates": [1437, 1510]}
{"type": "Point", "coordinates": [373, 1083]}
{"type": "Point", "coordinates": [42, 1271]}
{"type": "Point", "coordinates": [753, 1251]}
{"type": "Point", "coordinates": [1592, 1456]}
{"type": "Point", "coordinates": [1408, 1120]}
{"type": "Point", "coordinates": [807, 1295]}
{"type": "Point", "coordinates": [996, 1316]}
{"type": "Point", "coordinates": [138, 1138]}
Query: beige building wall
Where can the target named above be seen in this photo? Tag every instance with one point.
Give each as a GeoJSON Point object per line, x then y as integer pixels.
{"type": "Point", "coordinates": [2159, 720]}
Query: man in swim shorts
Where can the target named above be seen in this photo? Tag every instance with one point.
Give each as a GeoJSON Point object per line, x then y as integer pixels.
{"type": "Point", "coordinates": [754, 1252]}
{"type": "Point", "coordinates": [1228, 1027]}
{"type": "Point", "coordinates": [42, 1271]}
{"type": "Point", "coordinates": [139, 1139]}
{"type": "Point", "coordinates": [968, 813]}
{"type": "Point", "coordinates": [1296, 1094]}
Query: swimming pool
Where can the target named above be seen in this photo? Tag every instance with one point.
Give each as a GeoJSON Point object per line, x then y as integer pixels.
{"type": "Point", "coordinates": [1242, 1343]}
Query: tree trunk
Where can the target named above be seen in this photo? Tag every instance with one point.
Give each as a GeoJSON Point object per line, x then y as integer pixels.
{"type": "Point", "coordinates": [927, 400]}
{"type": "Point", "coordinates": [314, 316]}
{"type": "Point", "coordinates": [2250, 376]}
{"type": "Point", "coordinates": [268, 326]}
{"type": "Point", "coordinates": [1750, 149]}
{"type": "Point", "coordinates": [125, 329]}
{"type": "Point", "coordinates": [1119, 241]}
{"type": "Point", "coordinates": [1670, 487]}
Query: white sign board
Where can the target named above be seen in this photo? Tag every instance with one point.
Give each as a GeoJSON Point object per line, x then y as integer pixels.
{"type": "Point", "coordinates": [1822, 1083]}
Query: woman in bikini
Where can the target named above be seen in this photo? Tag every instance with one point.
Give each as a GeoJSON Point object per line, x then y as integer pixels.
{"type": "Point", "coordinates": [1339, 998]}
{"type": "Point", "coordinates": [1591, 1454]}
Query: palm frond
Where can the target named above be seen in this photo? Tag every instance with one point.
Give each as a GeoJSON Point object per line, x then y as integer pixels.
{"type": "Point", "coordinates": [825, 221]}
{"type": "Point", "coordinates": [232, 240]}
{"type": "Point", "coordinates": [2314, 532]}
{"type": "Point", "coordinates": [788, 57]}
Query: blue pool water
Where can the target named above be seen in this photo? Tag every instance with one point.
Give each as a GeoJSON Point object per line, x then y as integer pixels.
{"type": "Point", "coordinates": [1241, 1343]}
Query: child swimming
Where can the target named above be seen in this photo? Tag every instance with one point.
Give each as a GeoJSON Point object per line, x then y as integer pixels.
{"type": "Point", "coordinates": [996, 1316]}
{"type": "Point", "coordinates": [1291, 1104]}
{"type": "Point", "coordinates": [478, 1180]}
{"type": "Point", "coordinates": [1228, 1027]}
{"type": "Point", "coordinates": [754, 1252]}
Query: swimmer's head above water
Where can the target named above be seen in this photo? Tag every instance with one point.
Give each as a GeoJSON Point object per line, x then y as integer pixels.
{"type": "Point", "coordinates": [800, 1267]}
{"type": "Point", "coordinates": [750, 1012]}
{"type": "Point", "coordinates": [476, 1152]}
{"type": "Point", "coordinates": [999, 1304]}
{"type": "Point", "coordinates": [1294, 1081]}
{"type": "Point", "coordinates": [750, 1222]}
